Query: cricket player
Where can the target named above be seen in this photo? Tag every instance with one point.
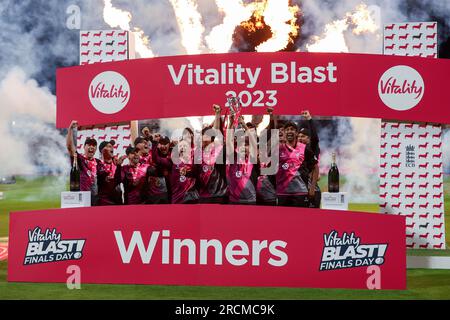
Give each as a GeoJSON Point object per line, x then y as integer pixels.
{"type": "Point", "coordinates": [291, 189]}
{"type": "Point", "coordinates": [308, 135]}
{"type": "Point", "coordinates": [87, 163]}
{"type": "Point", "coordinates": [242, 176]}
{"type": "Point", "coordinates": [157, 186]}
{"type": "Point", "coordinates": [109, 192]}
{"type": "Point", "coordinates": [211, 180]}
{"type": "Point", "coordinates": [183, 172]}
{"type": "Point", "coordinates": [132, 176]}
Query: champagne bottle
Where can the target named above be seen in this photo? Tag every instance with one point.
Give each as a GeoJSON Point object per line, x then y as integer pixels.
{"type": "Point", "coordinates": [75, 176]}
{"type": "Point", "coordinates": [333, 176]}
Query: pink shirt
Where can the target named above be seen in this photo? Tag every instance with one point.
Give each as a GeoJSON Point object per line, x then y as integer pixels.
{"type": "Point", "coordinates": [240, 186]}
{"type": "Point", "coordinates": [288, 179]}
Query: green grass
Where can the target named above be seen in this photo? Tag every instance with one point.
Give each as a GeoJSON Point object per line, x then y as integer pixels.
{"type": "Point", "coordinates": [29, 194]}
{"type": "Point", "coordinates": [422, 284]}
{"type": "Point", "coordinates": [44, 193]}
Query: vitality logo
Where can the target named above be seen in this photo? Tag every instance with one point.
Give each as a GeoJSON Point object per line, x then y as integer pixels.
{"type": "Point", "coordinates": [401, 88]}
{"type": "Point", "coordinates": [109, 92]}
{"type": "Point", "coordinates": [346, 251]}
{"type": "Point", "coordinates": [49, 246]}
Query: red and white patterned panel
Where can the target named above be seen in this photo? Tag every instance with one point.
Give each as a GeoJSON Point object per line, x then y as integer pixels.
{"type": "Point", "coordinates": [415, 189]}
{"type": "Point", "coordinates": [104, 46]}
{"type": "Point", "coordinates": [120, 134]}
{"type": "Point", "coordinates": [97, 46]}
{"type": "Point", "coordinates": [411, 181]}
{"type": "Point", "coordinates": [411, 39]}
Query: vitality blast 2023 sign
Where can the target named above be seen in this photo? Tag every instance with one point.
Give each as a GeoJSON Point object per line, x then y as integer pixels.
{"type": "Point", "coordinates": [357, 85]}
{"type": "Point", "coordinates": [209, 245]}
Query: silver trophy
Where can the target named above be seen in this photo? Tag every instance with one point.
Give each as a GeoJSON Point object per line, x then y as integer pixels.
{"type": "Point", "coordinates": [235, 109]}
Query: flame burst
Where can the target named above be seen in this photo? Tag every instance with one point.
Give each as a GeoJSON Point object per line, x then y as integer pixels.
{"type": "Point", "coordinates": [282, 18]}
{"type": "Point", "coordinates": [190, 24]}
{"type": "Point", "coordinates": [118, 18]}
{"type": "Point", "coordinates": [278, 15]}
{"type": "Point", "coordinates": [220, 38]}
{"type": "Point", "coordinates": [363, 20]}
{"type": "Point", "coordinates": [333, 40]}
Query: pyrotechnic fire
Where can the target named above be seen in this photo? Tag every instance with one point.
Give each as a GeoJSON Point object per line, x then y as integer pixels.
{"type": "Point", "coordinates": [282, 18]}
{"type": "Point", "coordinates": [278, 15]}
{"type": "Point", "coordinates": [190, 24]}
{"type": "Point", "coordinates": [220, 38]}
{"type": "Point", "coordinates": [363, 20]}
{"type": "Point", "coordinates": [333, 40]}
{"type": "Point", "coordinates": [118, 18]}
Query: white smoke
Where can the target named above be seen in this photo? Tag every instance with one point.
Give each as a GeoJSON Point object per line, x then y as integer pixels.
{"type": "Point", "coordinates": [359, 160]}
{"type": "Point", "coordinates": [29, 142]}
{"type": "Point", "coordinates": [320, 13]}
{"type": "Point", "coordinates": [356, 142]}
{"type": "Point", "coordinates": [358, 157]}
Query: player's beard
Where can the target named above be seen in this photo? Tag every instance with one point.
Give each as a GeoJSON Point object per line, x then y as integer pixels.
{"type": "Point", "coordinates": [290, 137]}
{"type": "Point", "coordinates": [108, 155]}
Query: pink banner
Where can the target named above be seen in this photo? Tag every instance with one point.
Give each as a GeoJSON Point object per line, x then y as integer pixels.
{"type": "Point", "coordinates": [214, 245]}
{"type": "Point", "coordinates": [356, 85]}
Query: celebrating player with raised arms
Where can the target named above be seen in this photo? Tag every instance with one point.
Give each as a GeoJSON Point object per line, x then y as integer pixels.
{"type": "Point", "coordinates": [142, 147]}
{"type": "Point", "coordinates": [211, 180]}
{"type": "Point", "coordinates": [157, 187]}
{"type": "Point", "coordinates": [291, 189]}
{"type": "Point", "coordinates": [266, 193]}
{"type": "Point", "coordinates": [87, 163]}
{"type": "Point", "coordinates": [308, 135]}
{"type": "Point", "coordinates": [132, 176]}
{"type": "Point", "coordinates": [183, 172]}
{"type": "Point", "coordinates": [109, 192]}
{"type": "Point", "coordinates": [242, 175]}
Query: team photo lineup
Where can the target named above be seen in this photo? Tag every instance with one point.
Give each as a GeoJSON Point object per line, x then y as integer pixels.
{"type": "Point", "coordinates": [157, 169]}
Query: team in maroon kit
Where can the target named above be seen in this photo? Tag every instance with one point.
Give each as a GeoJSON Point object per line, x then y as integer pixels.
{"type": "Point", "coordinates": [161, 171]}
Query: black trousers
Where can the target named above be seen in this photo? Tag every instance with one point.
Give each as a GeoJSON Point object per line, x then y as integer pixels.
{"type": "Point", "coordinates": [214, 200]}
{"type": "Point", "coordinates": [157, 200]}
{"type": "Point", "coordinates": [293, 201]}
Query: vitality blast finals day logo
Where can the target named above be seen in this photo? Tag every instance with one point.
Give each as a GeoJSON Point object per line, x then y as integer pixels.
{"type": "Point", "coordinates": [49, 246]}
{"type": "Point", "coordinates": [348, 252]}
{"type": "Point", "coordinates": [109, 92]}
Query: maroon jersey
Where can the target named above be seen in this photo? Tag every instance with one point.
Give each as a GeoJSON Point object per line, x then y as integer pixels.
{"type": "Point", "coordinates": [147, 159]}
{"type": "Point", "coordinates": [242, 182]}
{"type": "Point", "coordinates": [182, 181]}
{"type": "Point", "coordinates": [133, 179]}
{"type": "Point", "coordinates": [88, 174]}
{"type": "Point", "coordinates": [156, 182]}
{"type": "Point", "coordinates": [288, 178]}
{"type": "Point", "coordinates": [109, 192]}
{"type": "Point", "coordinates": [211, 176]}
